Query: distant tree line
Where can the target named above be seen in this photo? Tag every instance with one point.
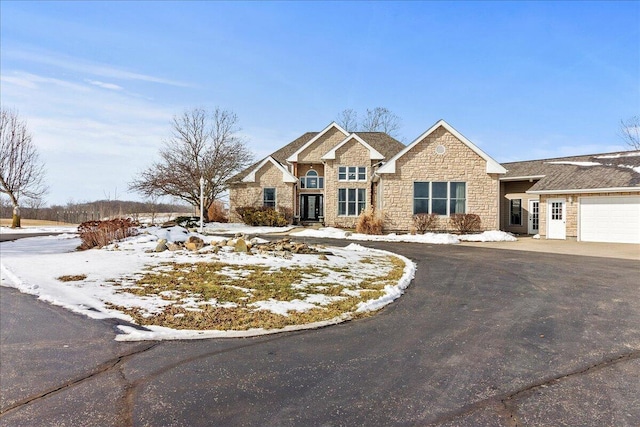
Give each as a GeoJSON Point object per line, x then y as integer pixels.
{"type": "Point", "coordinates": [76, 213]}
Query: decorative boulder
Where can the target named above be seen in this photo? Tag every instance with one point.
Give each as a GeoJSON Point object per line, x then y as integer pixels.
{"type": "Point", "coordinates": [194, 243]}
{"type": "Point", "coordinates": [174, 246]}
{"type": "Point", "coordinates": [161, 246]}
{"type": "Point", "coordinates": [241, 246]}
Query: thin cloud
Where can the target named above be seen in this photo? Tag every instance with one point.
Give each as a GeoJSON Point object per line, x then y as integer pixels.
{"type": "Point", "coordinates": [79, 65]}
{"type": "Point", "coordinates": [110, 86]}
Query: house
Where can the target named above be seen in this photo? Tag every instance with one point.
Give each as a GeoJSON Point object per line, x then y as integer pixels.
{"type": "Point", "coordinates": [331, 176]}
{"type": "Point", "coordinates": [593, 198]}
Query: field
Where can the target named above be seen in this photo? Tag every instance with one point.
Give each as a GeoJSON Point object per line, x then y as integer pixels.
{"type": "Point", "coordinates": [6, 222]}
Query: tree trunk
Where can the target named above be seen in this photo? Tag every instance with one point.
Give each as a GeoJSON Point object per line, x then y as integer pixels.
{"type": "Point", "coordinates": [15, 220]}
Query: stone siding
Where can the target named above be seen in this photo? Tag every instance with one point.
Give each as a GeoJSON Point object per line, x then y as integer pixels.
{"type": "Point", "coordinates": [422, 163]}
{"type": "Point", "coordinates": [571, 210]}
{"type": "Point", "coordinates": [321, 146]}
{"type": "Point", "coordinates": [350, 154]}
{"type": "Point", "coordinates": [251, 193]}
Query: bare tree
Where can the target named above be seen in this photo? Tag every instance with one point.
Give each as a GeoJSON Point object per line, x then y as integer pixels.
{"type": "Point", "coordinates": [379, 119]}
{"type": "Point", "coordinates": [630, 132]}
{"type": "Point", "coordinates": [21, 172]}
{"type": "Point", "coordinates": [348, 120]}
{"type": "Point", "coordinates": [204, 145]}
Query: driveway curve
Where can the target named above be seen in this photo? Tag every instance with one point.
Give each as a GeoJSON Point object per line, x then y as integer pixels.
{"type": "Point", "coordinates": [482, 337]}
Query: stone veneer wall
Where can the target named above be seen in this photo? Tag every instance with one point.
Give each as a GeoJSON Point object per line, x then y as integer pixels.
{"type": "Point", "coordinates": [351, 154]}
{"type": "Point", "coordinates": [321, 146]}
{"type": "Point", "coordinates": [571, 209]}
{"type": "Point", "coordinates": [458, 163]}
{"type": "Point", "coordinates": [251, 193]}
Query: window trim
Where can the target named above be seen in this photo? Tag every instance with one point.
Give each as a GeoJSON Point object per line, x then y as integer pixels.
{"type": "Point", "coordinates": [359, 202]}
{"type": "Point", "coordinates": [511, 213]}
{"type": "Point", "coordinates": [264, 197]}
{"type": "Point", "coordinates": [359, 173]}
{"type": "Point", "coordinates": [449, 200]}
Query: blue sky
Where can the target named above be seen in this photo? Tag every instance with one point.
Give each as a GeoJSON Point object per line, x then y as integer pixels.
{"type": "Point", "coordinates": [98, 82]}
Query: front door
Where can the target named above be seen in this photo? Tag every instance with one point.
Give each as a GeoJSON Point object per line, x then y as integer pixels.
{"type": "Point", "coordinates": [311, 207]}
{"type": "Point", "coordinates": [557, 221]}
{"type": "Point", "coordinates": [534, 219]}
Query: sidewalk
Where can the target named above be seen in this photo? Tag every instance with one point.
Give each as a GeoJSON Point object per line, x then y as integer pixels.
{"type": "Point", "coordinates": [567, 247]}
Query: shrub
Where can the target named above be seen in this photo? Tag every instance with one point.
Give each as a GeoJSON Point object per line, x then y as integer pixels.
{"type": "Point", "coordinates": [262, 216]}
{"type": "Point", "coordinates": [465, 223]}
{"type": "Point", "coordinates": [188, 221]}
{"type": "Point", "coordinates": [369, 222]}
{"type": "Point", "coordinates": [424, 221]}
{"type": "Point", "coordinates": [217, 212]}
{"type": "Point", "coordinates": [101, 233]}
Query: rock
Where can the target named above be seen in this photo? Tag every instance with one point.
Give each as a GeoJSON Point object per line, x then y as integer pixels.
{"type": "Point", "coordinates": [239, 235]}
{"type": "Point", "coordinates": [161, 246]}
{"type": "Point", "coordinates": [169, 224]}
{"type": "Point", "coordinates": [348, 234]}
{"type": "Point", "coordinates": [194, 243]}
{"type": "Point", "coordinates": [174, 246]}
{"type": "Point", "coordinates": [323, 257]}
{"type": "Point", "coordinates": [241, 246]}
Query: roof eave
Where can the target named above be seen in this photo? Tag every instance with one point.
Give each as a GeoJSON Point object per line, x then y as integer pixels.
{"type": "Point", "coordinates": [587, 190]}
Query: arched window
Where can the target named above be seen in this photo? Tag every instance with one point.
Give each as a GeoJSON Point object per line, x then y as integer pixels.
{"type": "Point", "coordinates": [312, 179]}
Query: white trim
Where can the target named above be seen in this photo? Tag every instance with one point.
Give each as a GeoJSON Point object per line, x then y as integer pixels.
{"type": "Point", "coordinates": [522, 178]}
{"type": "Point", "coordinates": [560, 231]}
{"type": "Point", "coordinates": [492, 165]}
{"type": "Point", "coordinates": [286, 175]}
{"type": "Point", "coordinates": [588, 190]}
{"type": "Point", "coordinates": [373, 153]}
{"type": "Point", "coordinates": [294, 156]}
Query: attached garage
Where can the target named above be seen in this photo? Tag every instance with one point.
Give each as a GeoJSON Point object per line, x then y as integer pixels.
{"type": "Point", "coordinates": [609, 219]}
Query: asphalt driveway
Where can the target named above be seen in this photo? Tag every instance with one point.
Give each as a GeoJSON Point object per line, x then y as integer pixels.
{"type": "Point", "coordinates": [482, 337]}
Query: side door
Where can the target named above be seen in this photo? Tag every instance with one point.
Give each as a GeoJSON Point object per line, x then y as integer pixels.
{"type": "Point", "coordinates": [556, 219]}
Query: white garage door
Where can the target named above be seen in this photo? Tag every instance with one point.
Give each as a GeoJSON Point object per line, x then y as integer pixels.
{"type": "Point", "coordinates": [610, 219]}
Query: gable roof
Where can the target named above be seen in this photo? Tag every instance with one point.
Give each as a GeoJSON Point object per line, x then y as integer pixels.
{"type": "Point", "coordinates": [333, 125]}
{"type": "Point", "coordinates": [379, 141]}
{"type": "Point", "coordinates": [286, 175]}
{"type": "Point", "coordinates": [279, 156]}
{"type": "Point", "coordinates": [618, 171]}
{"type": "Point", "coordinates": [491, 167]}
{"type": "Point", "coordinates": [373, 153]}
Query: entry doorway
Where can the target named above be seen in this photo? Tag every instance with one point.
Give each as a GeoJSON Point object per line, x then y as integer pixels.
{"type": "Point", "coordinates": [311, 207]}
{"type": "Point", "coordinates": [557, 221]}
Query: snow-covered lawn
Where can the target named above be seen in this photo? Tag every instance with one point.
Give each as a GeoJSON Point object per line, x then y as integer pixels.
{"type": "Point", "coordinates": [112, 283]}
{"type": "Point", "coordinates": [130, 281]}
{"type": "Point", "coordinates": [433, 238]}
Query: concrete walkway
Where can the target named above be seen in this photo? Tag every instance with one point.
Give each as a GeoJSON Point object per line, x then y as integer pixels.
{"type": "Point", "coordinates": [567, 247]}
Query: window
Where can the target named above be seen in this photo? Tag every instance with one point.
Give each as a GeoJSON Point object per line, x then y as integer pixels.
{"type": "Point", "coordinates": [556, 211]}
{"type": "Point", "coordinates": [352, 173]}
{"type": "Point", "coordinates": [269, 197]}
{"type": "Point", "coordinates": [442, 198]}
{"type": "Point", "coordinates": [420, 197]}
{"type": "Point", "coordinates": [312, 180]}
{"type": "Point", "coordinates": [342, 173]}
{"type": "Point", "coordinates": [515, 209]}
{"type": "Point", "coordinates": [351, 201]}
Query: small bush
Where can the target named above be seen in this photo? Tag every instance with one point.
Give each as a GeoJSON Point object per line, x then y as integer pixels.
{"type": "Point", "coordinates": [188, 221]}
{"type": "Point", "coordinates": [217, 212]}
{"type": "Point", "coordinates": [465, 223]}
{"type": "Point", "coordinates": [261, 216]}
{"type": "Point", "coordinates": [369, 222]}
{"type": "Point", "coordinates": [101, 233]}
{"type": "Point", "coordinates": [424, 221]}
